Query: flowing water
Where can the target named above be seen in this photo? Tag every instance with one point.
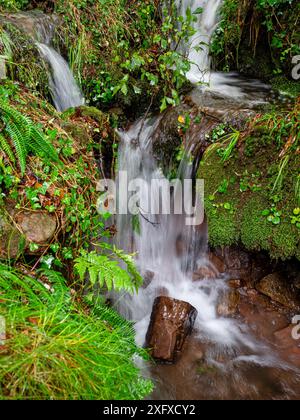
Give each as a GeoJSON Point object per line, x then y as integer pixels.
{"type": "Point", "coordinates": [64, 89]}
{"type": "Point", "coordinates": [224, 358]}
{"type": "Point", "coordinates": [63, 86]}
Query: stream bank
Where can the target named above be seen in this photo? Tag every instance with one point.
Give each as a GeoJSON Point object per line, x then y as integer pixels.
{"type": "Point", "coordinates": [244, 282]}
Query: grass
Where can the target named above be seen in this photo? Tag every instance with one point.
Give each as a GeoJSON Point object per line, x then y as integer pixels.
{"type": "Point", "coordinates": [58, 348]}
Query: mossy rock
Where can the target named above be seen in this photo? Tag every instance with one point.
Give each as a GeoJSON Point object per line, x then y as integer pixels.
{"type": "Point", "coordinates": [238, 192]}
{"type": "Point", "coordinates": [11, 240]}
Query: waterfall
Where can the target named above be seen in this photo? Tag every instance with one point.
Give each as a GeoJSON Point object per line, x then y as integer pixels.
{"type": "Point", "coordinates": [41, 27]}
{"type": "Point", "coordinates": [64, 89]}
{"type": "Point", "coordinates": [198, 49]}
{"type": "Point", "coordinates": [167, 250]}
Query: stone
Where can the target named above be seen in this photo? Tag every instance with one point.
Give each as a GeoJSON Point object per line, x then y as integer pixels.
{"type": "Point", "coordinates": [235, 284]}
{"type": "Point", "coordinates": [217, 262]}
{"type": "Point", "coordinates": [10, 238]}
{"type": "Point", "coordinates": [228, 303]}
{"type": "Point", "coordinates": [171, 322]}
{"type": "Point", "coordinates": [279, 290]}
{"type": "Point", "coordinates": [38, 227]}
{"type": "Point", "coordinates": [203, 273]}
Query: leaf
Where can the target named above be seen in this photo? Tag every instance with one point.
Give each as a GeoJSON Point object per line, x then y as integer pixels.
{"type": "Point", "coordinates": [198, 11]}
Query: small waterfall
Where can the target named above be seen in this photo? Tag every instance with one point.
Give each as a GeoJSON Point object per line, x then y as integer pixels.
{"type": "Point", "coordinates": [224, 84]}
{"type": "Point", "coordinates": [167, 250]}
{"type": "Point", "coordinates": [198, 49]}
{"type": "Point", "coordinates": [64, 89]}
{"type": "Point", "coordinates": [41, 27]}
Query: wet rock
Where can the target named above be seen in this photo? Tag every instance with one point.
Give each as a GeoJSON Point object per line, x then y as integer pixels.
{"type": "Point", "coordinates": [279, 290]}
{"type": "Point", "coordinates": [218, 262]}
{"type": "Point", "coordinates": [38, 227]}
{"type": "Point", "coordinates": [171, 322]}
{"type": "Point", "coordinates": [235, 284]}
{"type": "Point", "coordinates": [148, 277]}
{"type": "Point", "coordinates": [228, 303]}
{"type": "Point", "coordinates": [204, 272]}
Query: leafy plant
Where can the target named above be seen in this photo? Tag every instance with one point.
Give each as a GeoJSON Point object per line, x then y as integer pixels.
{"type": "Point", "coordinates": [273, 215]}
{"type": "Point", "coordinates": [24, 136]}
{"type": "Point", "coordinates": [105, 270]}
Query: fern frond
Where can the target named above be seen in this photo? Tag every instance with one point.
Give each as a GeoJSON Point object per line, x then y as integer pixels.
{"type": "Point", "coordinates": [6, 148]}
{"type": "Point", "coordinates": [41, 145]}
{"type": "Point", "coordinates": [18, 141]}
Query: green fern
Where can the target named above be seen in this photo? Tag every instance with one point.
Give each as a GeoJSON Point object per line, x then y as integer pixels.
{"type": "Point", "coordinates": [106, 272]}
{"type": "Point", "coordinates": [24, 136]}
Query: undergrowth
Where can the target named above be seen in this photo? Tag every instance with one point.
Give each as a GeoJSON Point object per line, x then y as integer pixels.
{"type": "Point", "coordinates": [58, 347]}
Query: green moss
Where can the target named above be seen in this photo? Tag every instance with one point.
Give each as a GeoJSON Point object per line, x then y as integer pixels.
{"type": "Point", "coordinates": [223, 227]}
{"type": "Point", "coordinates": [286, 86]}
{"type": "Point", "coordinates": [256, 231]}
{"type": "Point", "coordinates": [249, 177]}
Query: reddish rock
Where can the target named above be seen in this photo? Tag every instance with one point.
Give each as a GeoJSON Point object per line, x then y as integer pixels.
{"type": "Point", "coordinates": [235, 284]}
{"type": "Point", "coordinates": [276, 287]}
{"type": "Point", "coordinates": [217, 262]}
{"type": "Point", "coordinates": [204, 272]}
{"type": "Point", "coordinates": [228, 303]}
{"type": "Point", "coordinates": [171, 322]}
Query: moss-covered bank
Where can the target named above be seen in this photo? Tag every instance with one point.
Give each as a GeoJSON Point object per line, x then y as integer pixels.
{"type": "Point", "coordinates": [252, 192]}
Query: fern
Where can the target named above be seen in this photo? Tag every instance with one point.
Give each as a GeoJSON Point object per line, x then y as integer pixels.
{"type": "Point", "coordinates": [5, 146]}
{"type": "Point", "coordinates": [24, 136]}
{"type": "Point", "coordinates": [105, 271]}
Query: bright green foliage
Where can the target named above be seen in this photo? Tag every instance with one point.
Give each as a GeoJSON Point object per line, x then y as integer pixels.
{"type": "Point", "coordinates": [13, 5]}
{"type": "Point", "coordinates": [21, 133]}
{"type": "Point", "coordinates": [252, 197]}
{"type": "Point", "coordinates": [105, 271]}
{"type": "Point", "coordinates": [59, 348]}
{"type": "Point", "coordinates": [122, 51]}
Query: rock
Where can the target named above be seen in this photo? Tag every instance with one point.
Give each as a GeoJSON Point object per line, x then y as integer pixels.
{"type": "Point", "coordinates": [235, 284]}
{"type": "Point", "coordinates": [218, 262]}
{"type": "Point", "coordinates": [10, 238]}
{"type": "Point", "coordinates": [203, 273]}
{"type": "Point", "coordinates": [279, 290]}
{"type": "Point", "coordinates": [289, 343]}
{"type": "Point", "coordinates": [284, 337]}
{"type": "Point", "coordinates": [38, 227]}
{"type": "Point", "coordinates": [228, 304]}
{"type": "Point", "coordinates": [171, 322]}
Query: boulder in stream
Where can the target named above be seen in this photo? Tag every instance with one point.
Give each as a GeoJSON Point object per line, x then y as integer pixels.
{"type": "Point", "coordinates": [171, 322]}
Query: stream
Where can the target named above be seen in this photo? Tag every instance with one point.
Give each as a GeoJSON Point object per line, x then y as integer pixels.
{"type": "Point", "coordinates": [226, 357]}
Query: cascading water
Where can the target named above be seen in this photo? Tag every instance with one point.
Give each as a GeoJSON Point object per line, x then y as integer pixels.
{"type": "Point", "coordinates": [167, 253]}
{"type": "Point", "coordinates": [228, 84]}
{"type": "Point", "coordinates": [64, 89]}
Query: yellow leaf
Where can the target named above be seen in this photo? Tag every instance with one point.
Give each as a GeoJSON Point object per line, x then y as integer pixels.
{"type": "Point", "coordinates": [181, 119]}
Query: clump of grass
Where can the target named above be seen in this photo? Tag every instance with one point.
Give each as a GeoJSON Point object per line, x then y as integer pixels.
{"type": "Point", "coordinates": [59, 348]}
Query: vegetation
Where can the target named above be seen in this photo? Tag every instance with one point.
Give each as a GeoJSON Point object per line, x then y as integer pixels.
{"type": "Point", "coordinates": [257, 37]}
{"type": "Point", "coordinates": [252, 181]}
{"type": "Point", "coordinates": [60, 348]}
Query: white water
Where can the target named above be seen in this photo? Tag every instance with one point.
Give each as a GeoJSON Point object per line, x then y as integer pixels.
{"type": "Point", "coordinates": [64, 89]}
{"type": "Point", "coordinates": [159, 258]}
{"type": "Point", "coordinates": [225, 84]}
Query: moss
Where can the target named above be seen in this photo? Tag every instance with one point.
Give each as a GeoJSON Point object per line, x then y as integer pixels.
{"type": "Point", "coordinates": [256, 231]}
{"type": "Point", "coordinates": [286, 86]}
{"type": "Point", "coordinates": [223, 227]}
{"type": "Point", "coordinates": [250, 175]}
